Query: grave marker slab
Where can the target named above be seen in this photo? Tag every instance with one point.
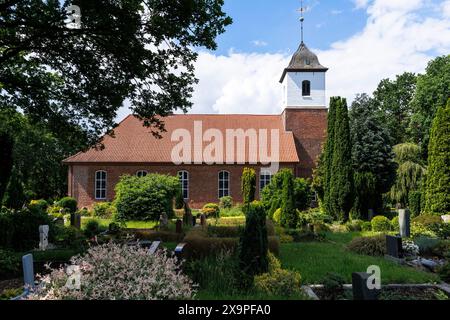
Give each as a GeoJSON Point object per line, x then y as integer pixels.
{"type": "Point", "coordinates": [28, 270]}
{"type": "Point", "coordinates": [180, 250]}
{"type": "Point", "coordinates": [155, 246]}
{"type": "Point", "coordinates": [404, 220]}
{"type": "Point", "coordinates": [394, 247]}
{"type": "Point", "coordinates": [43, 237]}
{"type": "Point", "coordinates": [360, 288]}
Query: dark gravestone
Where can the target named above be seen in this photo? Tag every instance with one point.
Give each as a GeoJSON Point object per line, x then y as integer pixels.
{"type": "Point", "coordinates": [361, 289]}
{"type": "Point", "coordinates": [203, 220]}
{"type": "Point", "coordinates": [404, 220]}
{"type": "Point", "coordinates": [180, 250]}
{"type": "Point", "coordinates": [194, 221]}
{"type": "Point", "coordinates": [371, 214]}
{"type": "Point", "coordinates": [179, 227]}
{"type": "Point", "coordinates": [28, 271]}
{"type": "Point", "coordinates": [394, 247]}
{"type": "Point", "coordinates": [75, 220]}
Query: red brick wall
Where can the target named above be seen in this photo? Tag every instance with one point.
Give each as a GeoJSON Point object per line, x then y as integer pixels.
{"type": "Point", "coordinates": [203, 180]}
{"type": "Point", "coordinates": [309, 128]}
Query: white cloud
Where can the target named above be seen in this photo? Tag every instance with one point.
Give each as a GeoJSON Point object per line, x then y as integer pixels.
{"type": "Point", "coordinates": [259, 43]}
{"type": "Point", "coordinates": [395, 39]}
{"type": "Point", "coordinates": [446, 8]}
{"type": "Point", "coordinates": [359, 4]}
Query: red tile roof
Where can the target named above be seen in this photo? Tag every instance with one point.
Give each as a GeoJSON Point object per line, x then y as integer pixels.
{"type": "Point", "coordinates": [134, 143]}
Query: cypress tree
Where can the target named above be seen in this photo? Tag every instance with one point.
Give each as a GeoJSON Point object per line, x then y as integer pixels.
{"type": "Point", "coordinates": [328, 155]}
{"type": "Point", "coordinates": [248, 186]}
{"type": "Point", "coordinates": [438, 178]}
{"type": "Point", "coordinates": [341, 179]}
{"type": "Point", "coordinates": [289, 217]}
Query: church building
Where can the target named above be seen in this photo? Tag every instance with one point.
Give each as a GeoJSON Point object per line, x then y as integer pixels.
{"type": "Point", "coordinates": [300, 128]}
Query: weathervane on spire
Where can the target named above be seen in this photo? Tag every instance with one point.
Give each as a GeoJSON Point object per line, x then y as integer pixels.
{"type": "Point", "coordinates": [302, 18]}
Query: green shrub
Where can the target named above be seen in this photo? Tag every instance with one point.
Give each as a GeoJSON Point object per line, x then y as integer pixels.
{"type": "Point", "coordinates": [277, 216]}
{"type": "Point", "coordinates": [232, 212]}
{"type": "Point", "coordinates": [146, 198]}
{"type": "Point", "coordinates": [10, 265]}
{"type": "Point", "coordinates": [8, 294]}
{"type": "Point", "coordinates": [91, 229]}
{"type": "Point", "coordinates": [85, 213]}
{"type": "Point", "coordinates": [105, 210]}
{"type": "Point", "coordinates": [414, 200]}
{"type": "Point", "coordinates": [302, 194]}
{"type": "Point", "coordinates": [395, 223]}
{"type": "Point", "coordinates": [248, 185]}
{"type": "Point", "coordinates": [333, 286]}
{"type": "Point", "coordinates": [381, 224]}
{"type": "Point", "coordinates": [68, 203]}
{"type": "Point", "coordinates": [426, 245]}
{"type": "Point", "coordinates": [278, 282]}
{"type": "Point", "coordinates": [38, 204]}
{"type": "Point", "coordinates": [56, 211]}
{"type": "Point", "coordinates": [253, 244]}
{"type": "Point", "coordinates": [431, 222]}
{"type": "Point", "coordinates": [211, 210]}
{"type": "Point", "coordinates": [20, 228]}
{"type": "Point", "coordinates": [370, 246]}
{"type": "Point", "coordinates": [226, 202]}
{"type": "Point", "coordinates": [71, 238]}
{"type": "Point", "coordinates": [444, 272]}
{"type": "Point", "coordinates": [366, 226]}
{"type": "Point", "coordinates": [289, 216]}
{"type": "Point", "coordinates": [354, 225]}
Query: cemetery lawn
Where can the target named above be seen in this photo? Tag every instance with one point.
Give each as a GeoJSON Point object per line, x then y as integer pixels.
{"type": "Point", "coordinates": [104, 223]}
{"type": "Point", "coordinates": [315, 259]}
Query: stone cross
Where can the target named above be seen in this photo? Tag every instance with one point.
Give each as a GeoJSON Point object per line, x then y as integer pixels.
{"type": "Point", "coordinates": [28, 271]}
{"type": "Point", "coordinates": [43, 237]}
{"type": "Point", "coordinates": [404, 220]}
{"type": "Point", "coordinates": [155, 246]}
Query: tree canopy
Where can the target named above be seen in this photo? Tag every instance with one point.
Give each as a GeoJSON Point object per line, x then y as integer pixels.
{"type": "Point", "coordinates": [136, 51]}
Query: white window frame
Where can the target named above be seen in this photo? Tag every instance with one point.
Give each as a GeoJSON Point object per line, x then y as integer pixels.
{"type": "Point", "coordinates": [184, 175]}
{"type": "Point", "coordinates": [223, 192]}
{"type": "Point", "coordinates": [101, 189]}
{"type": "Point", "coordinates": [141, 173]}
{"type": "Point", "coordinates": [265, 174]}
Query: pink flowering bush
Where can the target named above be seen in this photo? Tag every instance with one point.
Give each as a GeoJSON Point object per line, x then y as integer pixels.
{"type": "Point", "coordinates": [119, 272]}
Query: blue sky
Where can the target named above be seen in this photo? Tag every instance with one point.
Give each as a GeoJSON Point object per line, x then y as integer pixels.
{"type": "Point", "coordinates": [275, 24]}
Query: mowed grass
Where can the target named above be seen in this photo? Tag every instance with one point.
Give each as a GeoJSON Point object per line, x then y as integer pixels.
{"type": "Point", "coordinates": [104, 223]}
{"type": "Point", "coordinates": [314, 260]}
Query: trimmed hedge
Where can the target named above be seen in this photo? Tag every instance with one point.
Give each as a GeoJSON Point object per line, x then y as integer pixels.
{"type": "Point", "coordinates": [146, 198]}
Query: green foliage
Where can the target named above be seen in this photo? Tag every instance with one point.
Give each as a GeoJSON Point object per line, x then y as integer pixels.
{"type": "Point", "coordinates": [428, 225]}
{"type": "Point", "coordinates": [92, 228]}
{"type": "Point", "coordinates": [327, 161]}
{"type": "Point", "coordinates": [341, 178]}
{"type": "Point", "coordinates": [226, 202]}
{"type": "Point", "coordinates": [179, 201]}
{"type": "Point", "coordinates": [6, 161]}
{"type": "Point", "coordinates": [146, 198]}
{"type": "Point", "coordinates": [253, 245]}
{"type": "Point", "coordinates": [278, 282]}
{"type": "Point", "coordinates": [392, 99]}
{"type": "Point", "coordinates": [366, 226]}
{"type": "Point", "coordinates": [10, 265]}
{"type": "Point", "coordinates": [438, 177]}
{"type": "Point", "coordinates": [105, 210]}
{"type": "Point", "coordinates": [433, 91]}
{"type": "Point", "coordinates": [370, 246]}
{"type": "Point", "coordinates": [211, 210]}
{"type": "Point", "coordinates": [68, 203]}
{"type": "Point", "coordinates": [302, 194]}
{"type": "Point", "coordinates": [395, 223]}
{"type": "Point", "coordinates": [415, 202]}
{"type": "Point", "coordinates": [444, 272]}
{"type": "Point", "coordinates": [20, 228]}
{"type": "Point", "coordinates": [277, 216]}
{"type": "Point", "coordinates": [354, 225]}
{"type": "Point", "coordinates": [381, 224]}
{"type": "Point", "coordinates": [84, 89]}
{"type": "Point", "coordinates": [289, 217]}
{"type": "Point", "coordinates": [38, 205]}
{"type": "Point", "coordinates": [410, 173]}
{"type": "Point", "coordinates": [71, 238]}
{"type": "Point", "coordinates": [333, 286]}
{"type": "Point", "coordinates": [248, 185]}
{"type": "Point", "coordinates": [372, 156]}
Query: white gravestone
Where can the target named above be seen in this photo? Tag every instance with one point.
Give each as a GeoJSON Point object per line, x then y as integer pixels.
{"type": "Point", "coordinates": [155, 246]}
{"type": "Point", "coordinates": [43, 237]}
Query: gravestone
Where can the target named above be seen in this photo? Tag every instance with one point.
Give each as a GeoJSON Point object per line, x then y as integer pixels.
{"type": "Point", "coordinates": [163, 222]}
{"type": "Point", "coordinates": [203, 220]}
{"type": "Point", "coordinates": [371, 214]}
{"type": "Point", "coordinates": [155, 246]}
{"type": "Point", "coordinates": [180, 250]}
{"type": "Point", "coordinates": [404, 220]}
{"type": "Point", "coordinates": [75, 220]}
{"type": "Point", "coordinates": [187, 217]}
{"type": "Point", "coordinates": [179, 227]}
{"type": "Point", "coordinates": [43, 237]}
{"type": "Point", "coordinates": [28, 271]}
{"type": "Point", "coordinates": [394, 247]}
{"type": "Point", "coordinates": [194, 221]}
{"type": "Point", "coordinates": [361, 289]}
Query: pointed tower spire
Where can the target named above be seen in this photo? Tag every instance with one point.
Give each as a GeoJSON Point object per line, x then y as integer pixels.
{"type": "Point", "coordinates": [302, 18]}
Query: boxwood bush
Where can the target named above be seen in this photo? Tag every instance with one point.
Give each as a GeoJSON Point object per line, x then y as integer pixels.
{"type": "Point", "coordinates": [146, 198]}
{"type": "Point", "coordinates": [68, 203]}
{"type": "Point", "coordinates": [381, 224]}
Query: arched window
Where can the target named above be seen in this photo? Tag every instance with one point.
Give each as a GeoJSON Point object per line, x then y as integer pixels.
{"type": "Point", "coordinates": [141, 173]}
{"type": "Point", "coordinates": [306, 88]}
{"type": "Point", "coordinates": [264, 179]}
{"type": "Point", "coordinates": [224, 184]}
{"type": "Point", "coordinates": [184, 179]}
{"type": "Point", "coordinates": [100, 185]}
